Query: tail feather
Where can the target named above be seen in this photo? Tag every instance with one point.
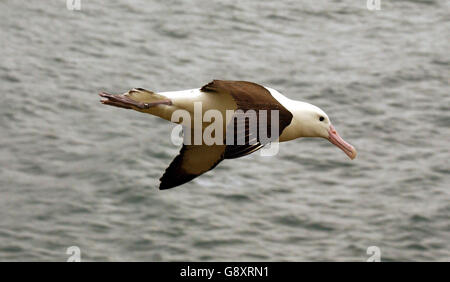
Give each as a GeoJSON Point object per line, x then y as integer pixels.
{"type": "Point", "coordinates": [136, 98]}
{"type": "Point", "coordinates": [144, 96]}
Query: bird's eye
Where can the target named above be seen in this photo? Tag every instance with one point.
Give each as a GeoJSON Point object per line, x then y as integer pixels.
{"type": "Point", "coordinates": [321, 118]}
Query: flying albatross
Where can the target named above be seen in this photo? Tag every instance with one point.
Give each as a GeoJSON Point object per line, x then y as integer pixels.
{"type": "Point", "coordinates": [295, 119]}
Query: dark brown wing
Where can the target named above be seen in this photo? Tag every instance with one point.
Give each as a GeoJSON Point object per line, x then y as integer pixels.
{"type": "Point", "coordinates": [251, 143]}
{"type": "Point", "coordinates": [249, 96]}
{"type": "Point", "coordinates": [192, 161]}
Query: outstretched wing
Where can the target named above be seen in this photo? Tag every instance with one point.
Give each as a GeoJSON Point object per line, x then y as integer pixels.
{"type": "Point", "coordinates": [195, 160]}
{"type": "Point", "coordinates": [192, 161]}
{"type": "Point", "coordinates": [249, 96]}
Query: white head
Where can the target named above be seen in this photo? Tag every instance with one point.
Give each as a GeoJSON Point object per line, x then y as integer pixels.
{"type": "Point", "coordinates": [311, 121]}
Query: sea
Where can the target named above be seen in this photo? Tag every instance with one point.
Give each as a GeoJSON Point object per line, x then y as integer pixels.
{"type": "Point", "coordinates": [81, 178]}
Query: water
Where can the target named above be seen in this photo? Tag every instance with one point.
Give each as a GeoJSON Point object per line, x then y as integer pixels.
{"type": "Point", "coordinates": [77, 173]}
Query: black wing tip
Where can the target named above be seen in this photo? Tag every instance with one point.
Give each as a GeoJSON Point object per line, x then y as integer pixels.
{"type": "Point", "coordinates": [168, 183]}
{"type": "Point", "coordinates": [165, 187]}
{"type": "Point", "coordinates": [165, 183]}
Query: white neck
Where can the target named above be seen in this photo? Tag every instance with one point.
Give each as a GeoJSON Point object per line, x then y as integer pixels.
{"type": "Point", "coordinates": [299, 110]}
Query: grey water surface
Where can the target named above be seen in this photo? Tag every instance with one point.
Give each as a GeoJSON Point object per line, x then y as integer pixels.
{"type": "Point", "coordinates": [74, 172]}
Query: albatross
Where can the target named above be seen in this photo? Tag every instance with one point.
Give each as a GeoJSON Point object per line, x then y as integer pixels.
{"type": "Point", "coordinates": [296, 119]}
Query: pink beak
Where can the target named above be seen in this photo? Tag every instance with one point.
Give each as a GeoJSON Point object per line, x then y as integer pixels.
{"type": "Point", "coordinates": [334, 138]}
